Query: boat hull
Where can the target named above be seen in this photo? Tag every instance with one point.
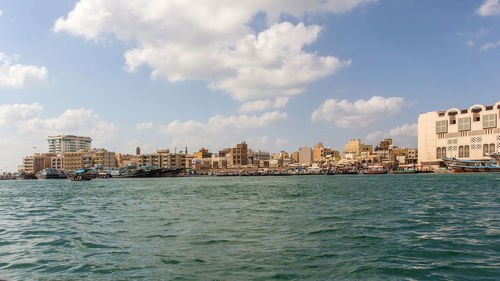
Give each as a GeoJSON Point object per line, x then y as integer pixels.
{"type": "Point", "coordinates": [154, 173]}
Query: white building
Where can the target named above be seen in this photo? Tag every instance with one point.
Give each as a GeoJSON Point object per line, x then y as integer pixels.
{"type": "Point", "coordinates": [470, 133]}
{"type": "Point", "coordinates": [68, 143]}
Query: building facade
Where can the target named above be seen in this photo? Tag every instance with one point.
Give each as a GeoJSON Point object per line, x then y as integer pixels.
{"type": "Point", "coordinates": [356, 147]}
{"type": "Point", "coordinates": [470, 133]}
{"type": "Point", "coordinates": [305, 155]}
{"type": "Point", "coordinates": [239, 155]}
{"type": "Point", "coordinates": [68, 143]}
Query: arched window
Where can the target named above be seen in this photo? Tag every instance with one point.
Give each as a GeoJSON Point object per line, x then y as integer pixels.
{"type": "Point", "coordinates": [485, 149]}
{"type": "Point", "coordinates": [460, 151]}
{"type": "Point", "coordinates": [438, 154]}
{"type": "Point", "coordinates": [466, 151]}
{"type": "Point", "coordinates": [492, 148]}
{"type": "Point", "coordinates": [443, 152]}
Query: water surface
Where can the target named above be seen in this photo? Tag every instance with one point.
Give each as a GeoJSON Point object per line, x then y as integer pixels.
{"type": "Point", "coordinates": [378, 227]}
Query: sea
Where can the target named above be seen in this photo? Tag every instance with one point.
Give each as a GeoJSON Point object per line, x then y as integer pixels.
{"type": "Point", "coordinates": [339, 227]}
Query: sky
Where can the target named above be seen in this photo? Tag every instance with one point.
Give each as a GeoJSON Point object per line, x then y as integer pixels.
{"type": "Point", "coordinates": [278, 74]}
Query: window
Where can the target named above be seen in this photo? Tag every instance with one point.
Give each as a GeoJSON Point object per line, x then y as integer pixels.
{"type": "Point", "coordinates": [453, 120]}
{"type": "Point", "coordinates": [441, 126]}
{"type": "Point", "coordinates": [492, 148]}
{"type": "Point", "coordinates": [461, 151]}
{"type": "Point", "coordinates": [466, 151]}
{"type": "Point", "coordinates": [476, 117]}
{"type": "Point", "coordinates": [438, 154]}
{"type": "Point", "coordinates": [485, 150]}
{"type": "Point", "coordinates": [489, 121]}
{"type": "Point", "coordinates": [464, 124]}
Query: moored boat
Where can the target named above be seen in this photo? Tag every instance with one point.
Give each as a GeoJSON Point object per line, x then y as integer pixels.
{"type": "Point", "coordinates": [81, 175]}
{"type": "Point", "coordinates": [147, 172]}
{"type": "Point", "coordinates": [375, 170]}
{"type": "Point", "coordinates": [473, 166]}
{"type": "Point", "coordinates": [50, 174]}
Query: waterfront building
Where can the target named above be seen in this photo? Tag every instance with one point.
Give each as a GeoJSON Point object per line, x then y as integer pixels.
{"type": "Point", "coordinates": [57, 163]}
{"type": "Point", "coordinates": [226, 152]}
{"type": "Point", "coordinates": [218, 162]}
{"type": "Point", "coordinates": [295, 157]}
{"type": "Point", "coordinates": [72, 161]}
{"type": "Point", "coordinates": [173, 160]}
{"type": "Point", "coordinates": [162, 159]}
{"type": "Point", "coordinates": [37, 162]}
{"type": "Point", "coordinates": [27, 164]}
{"type": "Point", "coordinates": [261, 155]}
{"type": "Point", "coordinates": [470, 133]}
{"type": "Point", "coordinates": [68, 143]}
{"type": "Point", "coordinates": [305, 156]}
{"type": "Point", "coordinates": [123, 160]}
{"type": "Point", "coordinates": [103, 158]}
{"type": "Point", "coordinates": [239, 155]}
{"type": "Point", "coordinates": [356, 147]}
{"type": "Point", "coordinates": [384, 145]}
{"type": "Point", "coordinates": [203, 153]}
{"type": "Point", "coordinates": [318, 152]}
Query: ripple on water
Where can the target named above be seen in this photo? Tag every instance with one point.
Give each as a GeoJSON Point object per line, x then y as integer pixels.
{"type": "Point", "coordinates": [392, 227]}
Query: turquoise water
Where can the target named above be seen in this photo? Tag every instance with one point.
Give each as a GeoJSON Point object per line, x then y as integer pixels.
{"type": "Point", "coordinates": [380, 227]}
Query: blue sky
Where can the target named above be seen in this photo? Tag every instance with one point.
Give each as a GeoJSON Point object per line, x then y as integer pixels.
{"type": "Point", "coordinates": [278, 74]}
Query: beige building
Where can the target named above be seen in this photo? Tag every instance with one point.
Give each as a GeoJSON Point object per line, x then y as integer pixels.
{"type": "Point", "coordinates": [470, 133]}
{"type": "Point", "coordinates": [123, 160]}
{"type": "Point", "coordinates": [163, 159]}
{"type": "Point", "coordinates": [73, 161]}
{"type": "Point", "coordinates": [37, 162]}
{"type": "Point", "coordinates": [57, 162]}
{"type": "Point", "coordinates": [305, 155]}
{"type": "Point", "coordinates": [356, 147]}
{"type": "Point", "coordinates": [68, 143]}
{"type": "Point", "coordinates": [103, 158]}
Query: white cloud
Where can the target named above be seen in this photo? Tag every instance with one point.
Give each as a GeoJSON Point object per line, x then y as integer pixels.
{"type": "Point", "coordinates": [262, 105]}
{"type": "Point", "coordinates": [1, 13]}
{"type": "Point", "coordinates": [488, 46]}
{"type": "Point", "coordinates": [358, 114]}
{"type": "Point", "coordinates": [220, 47]}
{"type": "Point", "coordinates": [19, 75]}
{"type": "Point", "coordinates": [219, 130]}
{"type": "Point", "coordinates": [27, 120]}
{"type": "Point", "coordinates": [404, 135]}
{"type": "Point", "coordinates": [28, 128]}
{"type": "Point", "coordinates": [144, 126]}
{"type": "Point", "coordinates": [489, 8]}
{"type": "Point", "coordinates": [470, 43]}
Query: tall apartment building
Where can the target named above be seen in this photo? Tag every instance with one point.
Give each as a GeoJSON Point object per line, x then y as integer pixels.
{"type": "Point", "coordinates": [239, 155]}
{"type": "Point", "coordinates": [470, 133]}
{"type": "Point", "coordinates": [68, 143]}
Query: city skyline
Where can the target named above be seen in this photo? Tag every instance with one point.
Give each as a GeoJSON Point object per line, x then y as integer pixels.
{"type": "Point", "coordinates": [276, 75]}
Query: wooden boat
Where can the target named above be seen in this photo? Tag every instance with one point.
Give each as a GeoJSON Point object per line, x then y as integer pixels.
{"type": "Point", "coordinates": [147, 173]}
{"type": "Point", "coordinates": [81, 175]}
{"type": "Point", "coordinates": [473, 166]}
{"type": "Point", "coordinates": [375, 170]}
